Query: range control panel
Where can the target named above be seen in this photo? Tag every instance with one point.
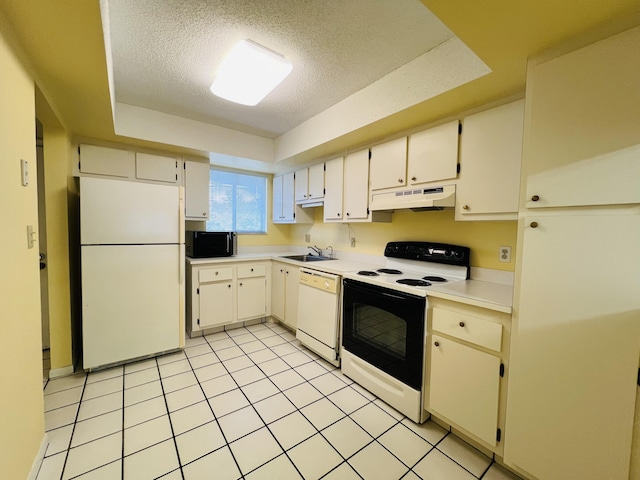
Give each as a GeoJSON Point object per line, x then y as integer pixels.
{"type": "Point", "coordinates": [429, 252]}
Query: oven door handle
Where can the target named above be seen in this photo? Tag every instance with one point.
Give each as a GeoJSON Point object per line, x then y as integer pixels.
{"type": "Point", "coordinates": [377, 291]}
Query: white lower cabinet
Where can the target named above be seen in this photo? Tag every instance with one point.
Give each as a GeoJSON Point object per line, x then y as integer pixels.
{"type": "Point", "coordinates": [225, 293]}
{"type": "Point", "coordinates": [466, 369]}
{"type": "Point", "coordinates": [285, 280]}
{"type": "Point", "coordinates": [465, 387]}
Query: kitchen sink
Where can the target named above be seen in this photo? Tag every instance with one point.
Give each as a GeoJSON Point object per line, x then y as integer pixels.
{"type": "Point", "coordinates": [307, 258]}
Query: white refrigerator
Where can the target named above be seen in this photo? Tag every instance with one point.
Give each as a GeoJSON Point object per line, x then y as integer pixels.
{"type": "Point", "coordinates": [132, 262]}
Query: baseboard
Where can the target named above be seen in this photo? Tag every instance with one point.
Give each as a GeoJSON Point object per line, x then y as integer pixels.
{"type": "Point", "coordinates": [37, 462]}
{"type": "Point", "coordinates": [61, 372]}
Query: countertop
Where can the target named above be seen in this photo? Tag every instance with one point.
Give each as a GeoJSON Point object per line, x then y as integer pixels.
{"type": "Point", "coordinates": [494, 296]}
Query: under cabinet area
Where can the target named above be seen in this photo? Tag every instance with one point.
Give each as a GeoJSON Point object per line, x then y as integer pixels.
{"type": "Point", "coordinates": [285, 279]}
{"type": "Point", "coordinates": [220, 294]}
{"type": "Point", "coordinates": [467, 351]}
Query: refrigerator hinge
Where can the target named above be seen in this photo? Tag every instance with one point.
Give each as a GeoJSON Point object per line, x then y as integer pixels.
{"type": "Point", "coordinates": [498, 435]}
{"type": "Point", "coordinates": [502, 369]}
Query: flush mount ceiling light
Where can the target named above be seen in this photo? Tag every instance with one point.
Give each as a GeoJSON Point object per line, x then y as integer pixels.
{"type": "Point", "coordinates": [249, 73]}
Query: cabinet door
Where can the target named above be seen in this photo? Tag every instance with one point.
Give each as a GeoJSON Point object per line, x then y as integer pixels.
{"type": "Point", "coordinates": [302, 185]}
{"type": "Point", "coordinates": [464, 387]}
{"type": "Point", "coordinates": [575, 346]}
{"type": "Point", "coordinates": [288, 204]}
{"type": "Point", "coordinates": [389, 164]}
{"type": "Point", "coordinates": [316, 181]}
{"type": "Point", "coordinates": [277, 199]}
{"type": "Point", "coordinates": [433, 154]}
{"type": "Point", "coordinates": [356, 185]}
{"type": "Point", "coordinates": [106, 161]}
{"type": "Point", "coordinates": [278, 290]}
{"type": "Point", "coordinates": [583, 137]}
{"type": "Point", "coordinates": [490, 160]}
{"type": "Point", "coordinates": [216, 304]}
{"type": "Point", "coordinates": [333, 190]}
{"type": "Point", "coordinates": [252, 297]}
{"type": "Point", "coordinates": [156, 167]}
{"type": "Point", "coordinates": [292, 282]}
{"type": "Point", "coordinates": [196, 190]}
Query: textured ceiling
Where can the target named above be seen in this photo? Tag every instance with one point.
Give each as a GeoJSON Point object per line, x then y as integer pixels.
{"type": "Point", "coordinates": [165, 53]}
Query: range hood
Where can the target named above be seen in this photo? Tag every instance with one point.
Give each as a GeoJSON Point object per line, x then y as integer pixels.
{"type": "Point", "coordinates": [417, 199]}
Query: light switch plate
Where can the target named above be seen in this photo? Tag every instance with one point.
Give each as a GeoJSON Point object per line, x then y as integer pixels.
{"type": "Point", "coordinates": [307, 237]}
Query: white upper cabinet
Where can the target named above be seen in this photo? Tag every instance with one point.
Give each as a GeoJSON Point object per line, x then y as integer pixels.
{"type": "Point", "coordinates": [490, 163]}
{"type": "Point", "coordinates": [301, 185]}
{"type": "Point", "coordinates": [157, 168]}
{"type": "Point", "coordinates": [309, 184]}
{"type": "Point", "coordinates": [316, 182]}
{"type": "Point", "coordinates": [106, 161]}
{"type": "Point", "coordinates": [196, 190]}
{"type": "Point", "coordinates": [333, 195]}
{"type": "Point", "coordinates": [583, 148]}
{"type": "Point", "coordinates": [433, 154]}
{"type": "Point", "coordinates": [356, 186]}
{"type": "Point", "coordinates": [284, 208]}
{"type": "Point", "coordinates": [389, 164]}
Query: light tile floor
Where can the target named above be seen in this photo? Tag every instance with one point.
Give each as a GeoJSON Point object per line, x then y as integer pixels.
{"type": "Point", "coordinates": [248, 403]}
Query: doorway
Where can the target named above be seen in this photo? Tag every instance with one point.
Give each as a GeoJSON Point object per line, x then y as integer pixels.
{"type": "Point", "coordinates": [42, 241]}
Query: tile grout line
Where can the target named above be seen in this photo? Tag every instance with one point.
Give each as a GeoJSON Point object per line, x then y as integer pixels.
{"type": "Point", "coordinates": [66, 457]}
{"type": "Point", "coordinates": [122, 446]}
{"type": "Point", "coordinates": [215, 417]}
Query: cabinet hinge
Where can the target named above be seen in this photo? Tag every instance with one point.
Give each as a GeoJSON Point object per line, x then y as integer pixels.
{"type": "Point", "coordinates": [639, 377]}
{"type": "Point", "coordinates": [324, 167]}
{"type": "Point", "coordinates": [198, 321]}
{"type": "Point", "coordinates": [78, 149]}
{"type": "Point", "coordinates": [369, 154]}
{"type": "Point", "coordinates": [197, 291]}
{"type": "Point", "coordinates": [458, 168]}
{"type": "Point", "coordinates": [459, 128]}
{"type": "Point", "coordinates": [324, 191]}
{"type": "Point", "coordinates": [368, 211]}
{"type": "Point", "coordinates": [176, 177]}
{"type": "Point", "coordinates": [184, 166]}
{"type": "Point", "coordinates": [79, 166]}
{"type": "Point", "coordinates": [498, 435]}
{"type": "Point", "coordinates": [294, 214]}
{"type": "Point", "coordinates": [502, 369]}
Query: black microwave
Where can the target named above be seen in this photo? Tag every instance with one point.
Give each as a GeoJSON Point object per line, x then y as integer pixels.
{"type": "Point", "coordinates": [200, 244]}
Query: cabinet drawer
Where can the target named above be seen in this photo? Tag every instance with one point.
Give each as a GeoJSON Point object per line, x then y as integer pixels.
{"type": "Point", "coordinates": [468, 328]}
{"type": "Point", "coordinates": [248, 271]}
{"type": "Point", "coordinates": [206, 275]}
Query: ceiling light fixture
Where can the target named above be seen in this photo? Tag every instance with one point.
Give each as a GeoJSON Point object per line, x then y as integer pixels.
{"type": "Point", "coordinates": [249, 73]}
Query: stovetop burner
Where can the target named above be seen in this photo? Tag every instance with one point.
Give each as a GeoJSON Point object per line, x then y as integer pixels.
{"type": "Point", "coordinates": [391, 271]}
{"type": "Point", "coordinates": [434, 279]}
{"type": "Point", "coordinates": [367, 273]}
{"type": "Point", "coordinates": [413, 282]}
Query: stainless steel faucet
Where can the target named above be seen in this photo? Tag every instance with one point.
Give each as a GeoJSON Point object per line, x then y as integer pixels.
{"type": "Point", "coordinates": [330, 248]}
{"type": "Point", "coordinates": [316, 249]}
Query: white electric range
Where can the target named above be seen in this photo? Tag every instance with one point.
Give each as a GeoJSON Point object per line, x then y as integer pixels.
{"type": "Point", "coordinates": [384, 320]}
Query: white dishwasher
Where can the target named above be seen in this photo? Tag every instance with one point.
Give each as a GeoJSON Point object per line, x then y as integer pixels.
{"type": "Point", "coordinates": [319, 313]}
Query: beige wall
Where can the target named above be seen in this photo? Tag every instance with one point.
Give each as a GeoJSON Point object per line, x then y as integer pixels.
{"type": "Point", "coordinates": [21, 400]}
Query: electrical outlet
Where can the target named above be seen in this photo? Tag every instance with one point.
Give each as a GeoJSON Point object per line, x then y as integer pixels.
{"type": "Point", "coordinates": [353, 241]}
{"type": "Point", "coordinates": [307, 237]}
{"type": "Point", "coordinates": [504, 254]}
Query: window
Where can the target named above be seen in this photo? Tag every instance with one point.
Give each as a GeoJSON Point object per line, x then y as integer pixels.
{"type": "Point", "coordinates": [238, 202]}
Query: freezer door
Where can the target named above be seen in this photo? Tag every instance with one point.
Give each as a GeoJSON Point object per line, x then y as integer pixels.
{"type": "Point", "coordinates": [132, 300]}
{"type": "Point", "coordinates": [116, 212]}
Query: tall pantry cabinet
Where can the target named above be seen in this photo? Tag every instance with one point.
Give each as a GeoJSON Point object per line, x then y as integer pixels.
{"type": "Point", "coordinates": [575, 343]}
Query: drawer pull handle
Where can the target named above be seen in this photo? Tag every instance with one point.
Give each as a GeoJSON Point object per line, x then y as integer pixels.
{"type": "Point", "coordinates": [465, 207]}
{"type": "Point", "coordinates": [252, 269]}
{"type": "Point", "coordinates": [229, 286]}
{"type": "Point", "coordinates": [216, 273]}
{"type": "Point", "coordinates": [535, 198]}
{"type": "Point", "coordinates": [534, 224]}
{"type": "Point", "coordinates": [240, 284]}
{"type": "Point", "coordinates": [461, 324]}
{"type": "Point", "coordinates": [400, 180]}
{"type": "Point", "coordinates": [413, 179]}
{"type": "Point", "coordinates": [437, 344]}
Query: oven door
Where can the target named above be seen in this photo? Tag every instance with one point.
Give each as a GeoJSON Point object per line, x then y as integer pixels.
{"type": "Point", "coordinates": [385, 328]}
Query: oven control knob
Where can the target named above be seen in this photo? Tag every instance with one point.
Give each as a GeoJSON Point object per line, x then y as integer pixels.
{"type": "Point", "coordinates": [447, 253]}
{"type": "Point", "coordinates": [459, 254]}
